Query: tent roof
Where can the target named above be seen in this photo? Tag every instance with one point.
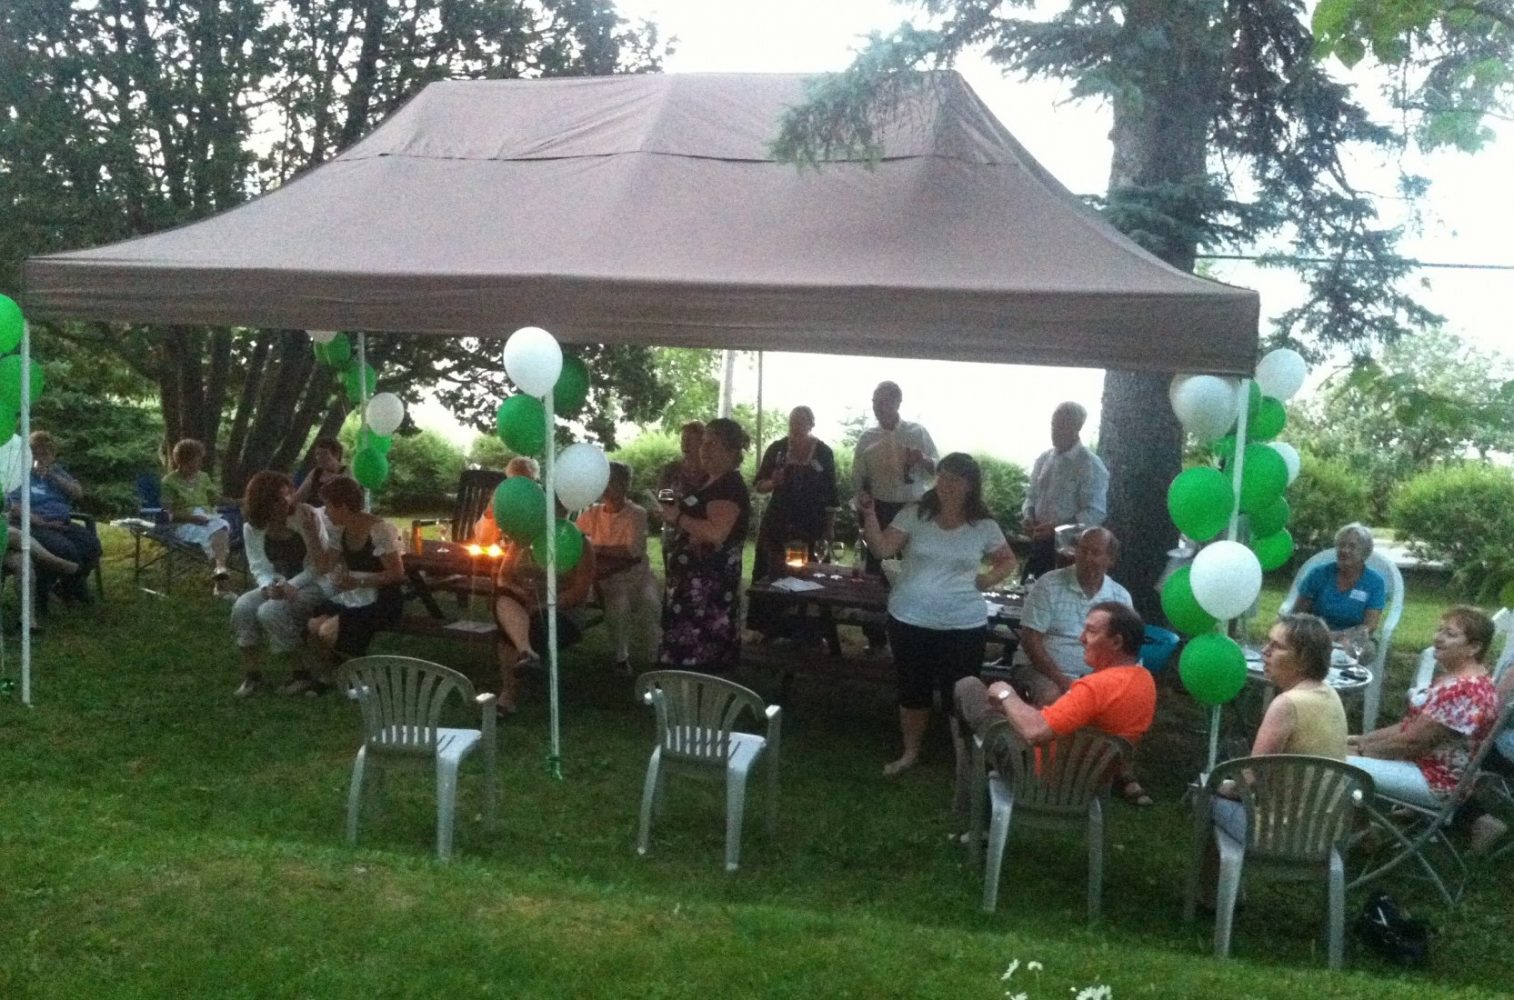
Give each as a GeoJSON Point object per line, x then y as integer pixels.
{"type": "Point", "coordinates": [647, 209]}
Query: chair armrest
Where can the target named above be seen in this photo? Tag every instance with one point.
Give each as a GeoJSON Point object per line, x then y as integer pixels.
{"type": "Point", "coordinates": [774, 715]}
{"type": "Point", "coordinates": [485, 703]}
{"type": "Point", "coordinates": [88, 520]}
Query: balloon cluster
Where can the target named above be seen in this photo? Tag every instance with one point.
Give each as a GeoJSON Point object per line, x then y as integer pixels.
{"type": "Point", "coordinates": [382, 416]}
{"type": "Point", "coordinates": [1225, 578]}
{"type": "Point", "coordinates": [535, 363]}
{"type": "Point", "coordinates": [12, 326]}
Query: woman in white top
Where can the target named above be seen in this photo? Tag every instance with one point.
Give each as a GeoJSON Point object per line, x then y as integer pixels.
{"type": "Point", "coordinates": [937, 621]}
{"type": "Point", "coordinates": [284, 540]}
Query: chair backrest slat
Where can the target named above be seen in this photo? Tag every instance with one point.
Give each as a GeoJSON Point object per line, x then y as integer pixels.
{"type": "Point", "coordinates": [475, 490]}
{"type": "Point", "coordinates": [402, 700]}
{"type": "Point", "coordinates": [1063, 776]}
{"type": "Point", "coordinates": [1298, 808]}
{"type": "Point", "coordinates": [696, 713]}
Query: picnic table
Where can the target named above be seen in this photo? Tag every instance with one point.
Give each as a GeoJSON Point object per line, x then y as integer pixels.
{"type": "Point", "coordinates": [822, 596]}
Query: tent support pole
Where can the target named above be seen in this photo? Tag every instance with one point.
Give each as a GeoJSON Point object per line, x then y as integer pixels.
{"type": "Point", "coordinates": [554, 751]}
{"type": "Point", "coordinates": [1237, 468]}
{"type": "Point", "coordinates": [727, 381]}
{"type": "Point", "coordinates": [27, 572]}
{"type": "Point", "coordinates": [759, 407]}
{"type": "Point", "coordinates": [362, 401]}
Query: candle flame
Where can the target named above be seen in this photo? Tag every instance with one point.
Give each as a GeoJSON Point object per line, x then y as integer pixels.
{"type": "Point", "coordinates": [475, 550]}
{"type": "Point", "coordinates": [495, 551]}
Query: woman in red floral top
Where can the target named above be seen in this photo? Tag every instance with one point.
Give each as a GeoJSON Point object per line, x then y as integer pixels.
{"type": "Point", "coordinates": [1421, 757]}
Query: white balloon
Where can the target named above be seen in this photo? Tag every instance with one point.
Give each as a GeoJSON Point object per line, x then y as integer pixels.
{"type": "Point", "coordinates": [581, 474]}
{"type": "Point", "coordinates": [533, 360]}
{"type": "Point", "coordinates": [385, 414]}
{"type": "Point", "coordinates": [1172, 390]}
{"type": "Point", "coordinates": [1206, 405]}
{"type": "Point", "coordinates": [1290, 458]}
{"type": "Point", "coordinates": [1280, 374]}
{"type": "Point", "coordinates": [1226, 578]}
{"type": "Point", "coordinates": [322, 336]}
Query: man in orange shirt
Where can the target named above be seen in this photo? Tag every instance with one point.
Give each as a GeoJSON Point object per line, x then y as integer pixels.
{"type": "Point", "coordinates": [1119, 697]}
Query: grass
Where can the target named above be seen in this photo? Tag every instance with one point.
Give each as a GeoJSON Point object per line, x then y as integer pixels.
{"type": "Point", "coordinates": [159, 838]}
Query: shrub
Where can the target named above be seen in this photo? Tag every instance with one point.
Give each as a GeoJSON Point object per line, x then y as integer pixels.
{"type": "Point", "coordinates": [1004, 485]}
{"type": "Point", "coordinates": [1327, 494]}
{"type": "Point", "coordinates": [423, 473]}
{"type": "Point", "coordinates": [1464, 516]}
{"type": "Point", "coordinates": [488, 452]}
{"type": "Point", "coordinates": [646, 455]}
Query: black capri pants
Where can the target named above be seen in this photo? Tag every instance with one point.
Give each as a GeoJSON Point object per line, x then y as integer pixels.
{"type": "Point", "coordinates": [928, 660]}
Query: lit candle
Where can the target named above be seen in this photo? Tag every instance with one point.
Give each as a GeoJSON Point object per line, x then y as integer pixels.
{"type": "Point", "coordinates": [475, 550]}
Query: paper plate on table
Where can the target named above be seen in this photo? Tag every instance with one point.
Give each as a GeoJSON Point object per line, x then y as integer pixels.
{"type": "Point", "coordinates": [1341, 658]}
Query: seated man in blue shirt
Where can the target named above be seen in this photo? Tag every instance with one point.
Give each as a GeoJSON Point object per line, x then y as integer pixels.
{"type": "Point", "coordinates": [53, 493]}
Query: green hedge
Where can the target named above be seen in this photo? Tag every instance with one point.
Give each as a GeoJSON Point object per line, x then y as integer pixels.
{"type": "Point", "coordinates": [1327, 495]}
{"type": "Point", "coordinates": [1463, 515]}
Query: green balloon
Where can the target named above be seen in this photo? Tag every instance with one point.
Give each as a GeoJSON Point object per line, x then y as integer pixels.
{"type": "Point", "coordinates": [354, 389]}
{"type": "Point", "coordinates": [5, 534]}
{"type": "Point", "coordinates": [370, 467]}
{"type": "Point", "coordinates": [10, 380]}
{"type": "Point", "coordinates": [1271, 417]}
{"type": "Point", "coordinates": [1273, 550]}
{"type": "Point", "coordinates": [1270, 519]}
{"type": "Point", "coordinates": [521, 421]}
{"type": "Point", "coordinates": [572, 388]}
{"type": "Point", "coordinates": [1180, 606]}
{"type": "Point", "coordinates": [1224, 447]}
{"type": "Point", "coordinates": [336, 352]}
{"type": "Point", "coordinates": [520, 508]}
{"type": "Point", "coordinates": [570, 546]}
{"type": "Point", "coordinates": [8, 417]}
{"type": "Point", "coordinates": [1213, 668]}
{"type": "Point", "coordinates": [1200, 501]}
{"type": "Point", "coordinates": [367, 439]}
{"type": "Point", "coordinates": [12, 324]}
{"type": "Point", "coordinates": [1263, 479]}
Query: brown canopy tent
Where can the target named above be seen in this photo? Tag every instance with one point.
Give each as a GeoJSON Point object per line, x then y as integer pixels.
{"type": "Point", "coordinates": [647, 209]}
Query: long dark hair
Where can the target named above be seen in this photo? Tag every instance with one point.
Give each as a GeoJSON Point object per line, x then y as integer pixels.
{"type": "Point", "coordinates": [961, 464]}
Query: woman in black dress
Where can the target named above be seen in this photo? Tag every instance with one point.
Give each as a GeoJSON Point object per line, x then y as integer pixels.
{"type": "Point", "coordinates": [800, 472]}
{"type": "Point", "coordinates": [366, 569]}
{"type": "Point", "coordinates": [701, 627]}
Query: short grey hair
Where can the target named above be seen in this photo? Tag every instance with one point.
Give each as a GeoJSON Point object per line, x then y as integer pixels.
{"type": "Point", "coordinates": [1077, 411]}
{"type": "Point", "coordinates": [523, 465]}
{"type": "Point", "coordinates": [1358, 531]}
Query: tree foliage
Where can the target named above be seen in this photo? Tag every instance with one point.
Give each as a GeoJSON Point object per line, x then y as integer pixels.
{"type": "Point", "coordinates": [1425, 401]}
{"type": "Point", "coordinates": [1450, 60]}
{"type": "Point", "coordinates": [125, 117]}
{"type": "Point", "coordinates": [1227, 133]}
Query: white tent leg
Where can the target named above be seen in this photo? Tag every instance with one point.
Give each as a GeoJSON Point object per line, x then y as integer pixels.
{"type": "Point", "coordinates": [26, 514]}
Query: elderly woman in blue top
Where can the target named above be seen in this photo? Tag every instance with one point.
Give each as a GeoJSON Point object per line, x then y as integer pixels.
{"type": "Point", "coordinates": [937, 620]}
{"type": "Point", "coordinates": [1345, 593]}
{"type": "Point", "coordinates": [54, 493]}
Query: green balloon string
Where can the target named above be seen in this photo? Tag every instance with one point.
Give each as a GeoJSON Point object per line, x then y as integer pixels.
{"type": "Point", "coordinates": [554, 766]}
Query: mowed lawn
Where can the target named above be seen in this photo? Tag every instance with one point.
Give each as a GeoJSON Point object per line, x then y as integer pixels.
{"type": "Point", "coordinates": [158, 838]}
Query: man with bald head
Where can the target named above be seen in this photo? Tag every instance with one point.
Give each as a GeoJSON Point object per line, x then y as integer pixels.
{"type": "Point", "coordinates": [893, 463]}
{"type": "Point", "coordinates": [1055, 611]}
{"type": "Point", "coordinates": [1068, 485]}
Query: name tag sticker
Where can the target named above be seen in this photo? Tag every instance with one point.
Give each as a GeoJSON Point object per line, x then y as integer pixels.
{"type": "Point", "coordinates": [1359, 595]}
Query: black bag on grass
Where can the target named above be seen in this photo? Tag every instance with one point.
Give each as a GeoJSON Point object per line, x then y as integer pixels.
{"type": "Point", "coordinates": [1393, 934]}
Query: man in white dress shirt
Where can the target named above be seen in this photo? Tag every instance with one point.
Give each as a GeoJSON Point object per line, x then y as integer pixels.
{"type": "Point", "coordinates": [1068, 485]}
{"type": "Point", "coordinates": [893, 464]}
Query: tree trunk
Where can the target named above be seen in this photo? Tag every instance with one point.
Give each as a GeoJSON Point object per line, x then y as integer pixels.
{"type": "Point", "coordinates": [1160, 138]}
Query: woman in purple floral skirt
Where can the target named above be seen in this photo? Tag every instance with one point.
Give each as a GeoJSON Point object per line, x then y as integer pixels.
{"type": "Point", "coordinates": [701, 615]}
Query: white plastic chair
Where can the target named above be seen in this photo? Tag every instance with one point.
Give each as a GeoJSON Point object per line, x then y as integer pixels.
{"type": "Point", "coordinates": [1393, 609]}
{"type": "Point", "coordinates": [402, 700]}
{"type": "Point", "coordinates": [1299, 815]}
{"type": "Point", "coordinates": [1061, 785]}
{"type": "Point", "coordinates": [696, 716]}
